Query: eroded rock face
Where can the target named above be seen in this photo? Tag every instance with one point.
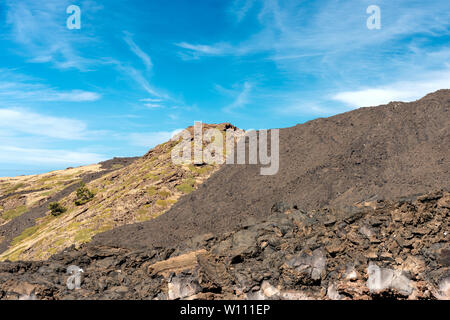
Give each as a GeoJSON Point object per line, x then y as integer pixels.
{"type": "Point", "coordinates": [390, 249]}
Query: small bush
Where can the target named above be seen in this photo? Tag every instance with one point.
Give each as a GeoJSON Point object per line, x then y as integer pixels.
{"type": "Point", "coordinates": [201, 170]}
{"type": "Point", "coordinates": [151, 191]}
{"type": "Point", "coordinates": [56, 209]}
{"type": "Point", "coordinates": [151, 176]}
{"type": "Point", "coordinates": [164, 193]}
{"type": "Point", "coordinates": [84, 195]}
{"type": "Point", "coordinates": [187, 186]}
{"type": "Point", "coordinates": [162, 203]}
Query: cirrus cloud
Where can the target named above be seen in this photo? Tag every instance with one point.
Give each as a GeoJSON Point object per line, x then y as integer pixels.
{"type": "Point", "coordinates": [21, 121]}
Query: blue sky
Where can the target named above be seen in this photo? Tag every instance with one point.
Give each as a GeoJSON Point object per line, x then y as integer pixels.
{"type": "Point", "coordinates": [137, 71]}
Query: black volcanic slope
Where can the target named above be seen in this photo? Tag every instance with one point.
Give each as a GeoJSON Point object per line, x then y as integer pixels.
{"type": "Point", "coordinates": [381, 152]}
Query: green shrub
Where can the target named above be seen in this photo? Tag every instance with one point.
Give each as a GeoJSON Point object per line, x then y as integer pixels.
{"type": "Point", "coordinates": [84, 195]}
{"type": "Point", "coordinates": [56, 209]}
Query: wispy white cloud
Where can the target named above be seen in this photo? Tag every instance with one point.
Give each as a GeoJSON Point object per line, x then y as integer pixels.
{"type": "Point", "coordinates": [398, 91]}
{"type": "Point", "coordinates": [329, 43]}
{"type": "Point", "coordinates": [137, 76]}
{"type": "Point", "coordinates": [39, 28]}
{"type": "Point", "coordinates": [240, 8]}
{"type": "Point", "coordinates": [217, 49]}
{"type": "Point", "coordinates": [21, 121]}
{"type": "Point", "coordinates": [290, 27]}
{"type": "Point", "coordinates": [38, 156]}
{"type": "Point", "coordinates": [242, 98]}
{"type": "Point", "coordinates": [153, 105]}
{"type": "Point", "coordinates": [151, 100]}
{"type": "Point", "coordinates": [195, 51]}
{"type": "Point", "coordinates": [297, 104]}
{"type": "Point", "coordinates": [16, 87]}
{"type": "Point", "coordinates": [224, 91]}
{"type": "Point", "coordinates": [127, 70]}
{"type": "Point", "coordinates": [73, 96]}
{"type": "Point", "coordinates": [146, 60]}
{"type": "Point", "coordinates": [308, 108]}
{"type": "Point", "coordinates": [25, 136]}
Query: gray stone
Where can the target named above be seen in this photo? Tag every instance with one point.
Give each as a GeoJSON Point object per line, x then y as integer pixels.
{"type": "Point", "coordinates": [332, 293]}
{"type": "Point", "coordinates": [313, 264]}
{"type": "Point", "coordinates": [183, 286]}
{"type": "Point", "coordinates": [444, 289]}
{"type": "Point", "coordinates": [119, 289]}
{"type": "Point", "coordinates": [244, 242]}
{"type": "Point", "coordinates": [381, 279]}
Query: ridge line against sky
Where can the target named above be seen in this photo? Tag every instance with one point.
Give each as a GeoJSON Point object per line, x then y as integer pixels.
{"type": "Point", "coordinates": [137, 71]}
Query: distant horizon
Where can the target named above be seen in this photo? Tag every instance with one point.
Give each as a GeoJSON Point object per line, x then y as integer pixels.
{"type": "Point", "coordinates": [86, 81]}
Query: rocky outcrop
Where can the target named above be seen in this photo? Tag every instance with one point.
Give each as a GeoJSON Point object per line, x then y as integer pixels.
{"type": "Point", "coordinates": [380, 249]}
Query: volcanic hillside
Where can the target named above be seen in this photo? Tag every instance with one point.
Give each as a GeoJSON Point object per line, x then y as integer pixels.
{"type": "Point", "coordinates": [26, 198]}
{"type": "Point", "coordinates": [383, 152]}
{"type": "Point", "coordinates": [139, 191]}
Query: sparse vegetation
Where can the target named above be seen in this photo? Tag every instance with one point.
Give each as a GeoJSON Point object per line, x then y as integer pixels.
{"type": "Point", "coordinates": [56, 209]}
{"type": "Point", "coordinates": [151, 191]}
{"type": "Point", "coordinates": [84, 195]}
{"type": "Point", "coordinates": [164, 194]}
{"type": "Point", "coordinates": [151, 176]}
{"type": "Point", "coordinates": [14, 188]}
{"type": "Point", "coordinates": [201, 170]}
{"type": "Point", "coordinates": [83, 235]}
{"type": "Point", "coordinates": [142, 215]}
{"type": "Point", "coordinates": [25, 234]}
{"type": "Point", "coordinates": [162, 203]}
{"type": "Point", "coordinates": [14, 213]}
{"type": "Point", "coordinates": [187, 186]}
